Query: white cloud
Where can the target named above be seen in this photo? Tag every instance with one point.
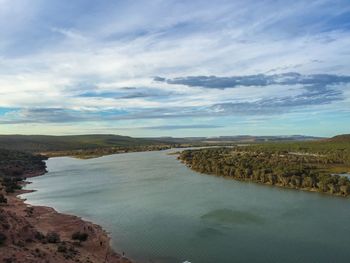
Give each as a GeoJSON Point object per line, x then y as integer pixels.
{"type": "Point", "coordinates": [120, 48]}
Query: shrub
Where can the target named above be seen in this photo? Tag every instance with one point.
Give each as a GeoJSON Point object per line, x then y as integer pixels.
{"type": "Point", "coordinates": [62, 249]}
{"type": "Point", "coordinates": [5, 225]}
{"type": "Point", "coordinates": [3, 199]}
{"type": "Point", "coordinates": [39, 236]}
{"type": "Point", "coordinates": [52, 237]}
{"type": "Point", "coordinates": [2, 239]}
{"type": "Point", "coordinates": [80, 236]}
{"type": "Point", "coordinates": [29, 210]}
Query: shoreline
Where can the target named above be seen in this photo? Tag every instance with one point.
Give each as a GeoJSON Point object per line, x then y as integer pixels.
{"type": "Point", "coordinates": [278, 185]}
{"type": "Point", "coordinates": [29, 226]}
{"type": "Point", "coordinates": [295, 181]}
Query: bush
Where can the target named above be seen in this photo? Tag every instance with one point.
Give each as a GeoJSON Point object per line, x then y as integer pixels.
{"type": "Point", "coordinates": [62, 249]}
{"type": "Point", "coordinates": [3, 199]}
{"type": "Point", "coordinates": [53, 237]}
{"type": "Point", "coordinates": [80, 236]}
{"type": "Point", "coordinates": [39, 236]}
{"type": "Point", "coordinates": [29, 210]}
{"type": "Point", "coordinates": [2, 239]}
{"type": "Point", "coordinates": [11, 184]}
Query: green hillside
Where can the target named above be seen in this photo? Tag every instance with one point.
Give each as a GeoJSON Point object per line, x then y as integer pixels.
{"type": "Point", "coordinates": [44, 143]}
{"type": "Point", "coordinates": [345, 138]}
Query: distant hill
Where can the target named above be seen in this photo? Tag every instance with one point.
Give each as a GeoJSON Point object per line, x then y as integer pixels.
{"type": "Point", "coordinates": [45, 143]}
{"type": "Point", "coordinates": [340, 138]}
{"type": "Point", "coordinates": [239, 139]}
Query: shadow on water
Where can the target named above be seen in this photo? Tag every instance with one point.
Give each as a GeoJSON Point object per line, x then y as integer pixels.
{"type": "Point", "coordinates": [228, 216]}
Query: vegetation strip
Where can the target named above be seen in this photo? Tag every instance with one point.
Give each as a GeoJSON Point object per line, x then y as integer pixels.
{"type": "Point", "coordinates": [313, 166]}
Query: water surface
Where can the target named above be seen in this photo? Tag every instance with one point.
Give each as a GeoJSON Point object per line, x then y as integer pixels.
{"type": "Point", "coordinates": [158, 210]}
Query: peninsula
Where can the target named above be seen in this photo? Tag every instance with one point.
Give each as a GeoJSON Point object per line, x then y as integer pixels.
{"type": "Point", "coordinates": [317, 166]}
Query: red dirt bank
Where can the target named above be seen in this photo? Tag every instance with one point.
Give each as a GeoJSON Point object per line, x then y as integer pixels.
{"type": "Point", "coordinates": [26, 227]}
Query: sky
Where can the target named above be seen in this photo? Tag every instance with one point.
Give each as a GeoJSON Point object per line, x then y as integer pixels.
{"type": "Point", "coordinates": [175, 68]}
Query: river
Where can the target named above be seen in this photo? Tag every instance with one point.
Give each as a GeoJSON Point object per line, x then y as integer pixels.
{"type": "Point", "coordinates": [158, 210]}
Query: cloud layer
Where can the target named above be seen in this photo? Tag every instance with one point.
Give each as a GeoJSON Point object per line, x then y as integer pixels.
{"type": "Point", "coordinates": [177, 66]}
{"type": "Point", "coordinates": [289, 78]}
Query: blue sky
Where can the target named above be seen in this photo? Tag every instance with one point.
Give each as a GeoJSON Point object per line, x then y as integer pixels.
{"type": "Point", "coordinates": [175, 68]}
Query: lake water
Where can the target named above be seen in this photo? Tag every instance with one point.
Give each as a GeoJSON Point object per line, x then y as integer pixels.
{"type": "Point", "coordinates": [158, 210]}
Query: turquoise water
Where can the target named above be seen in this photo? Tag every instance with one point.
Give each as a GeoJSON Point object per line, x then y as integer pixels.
{"type": "Point", "coordinates": [158, 210]}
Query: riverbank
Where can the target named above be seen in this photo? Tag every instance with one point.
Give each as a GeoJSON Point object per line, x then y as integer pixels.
{"type": "Point", "coordinates": [307, 172]}
{"type": "Point", "coordinates": [41, 234]}
{"type": "Point", "coordinates": [160, 211]}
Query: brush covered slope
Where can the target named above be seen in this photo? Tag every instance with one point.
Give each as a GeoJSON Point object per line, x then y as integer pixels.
{"type": "Point", "coordinates": [319, 166]}
{"type": "Point", "coordinates": [82, 146]}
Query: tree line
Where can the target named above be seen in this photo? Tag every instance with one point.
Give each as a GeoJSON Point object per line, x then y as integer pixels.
{"type": "Point", "coordinates": [307, 170]}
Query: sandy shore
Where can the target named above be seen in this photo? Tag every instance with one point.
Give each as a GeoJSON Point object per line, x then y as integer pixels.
{"type": "Point", "coordinates": [27, 227]}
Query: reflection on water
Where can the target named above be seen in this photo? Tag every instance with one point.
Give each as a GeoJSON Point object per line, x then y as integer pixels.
{"type": "Point", "coordinates": [157, 210]}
